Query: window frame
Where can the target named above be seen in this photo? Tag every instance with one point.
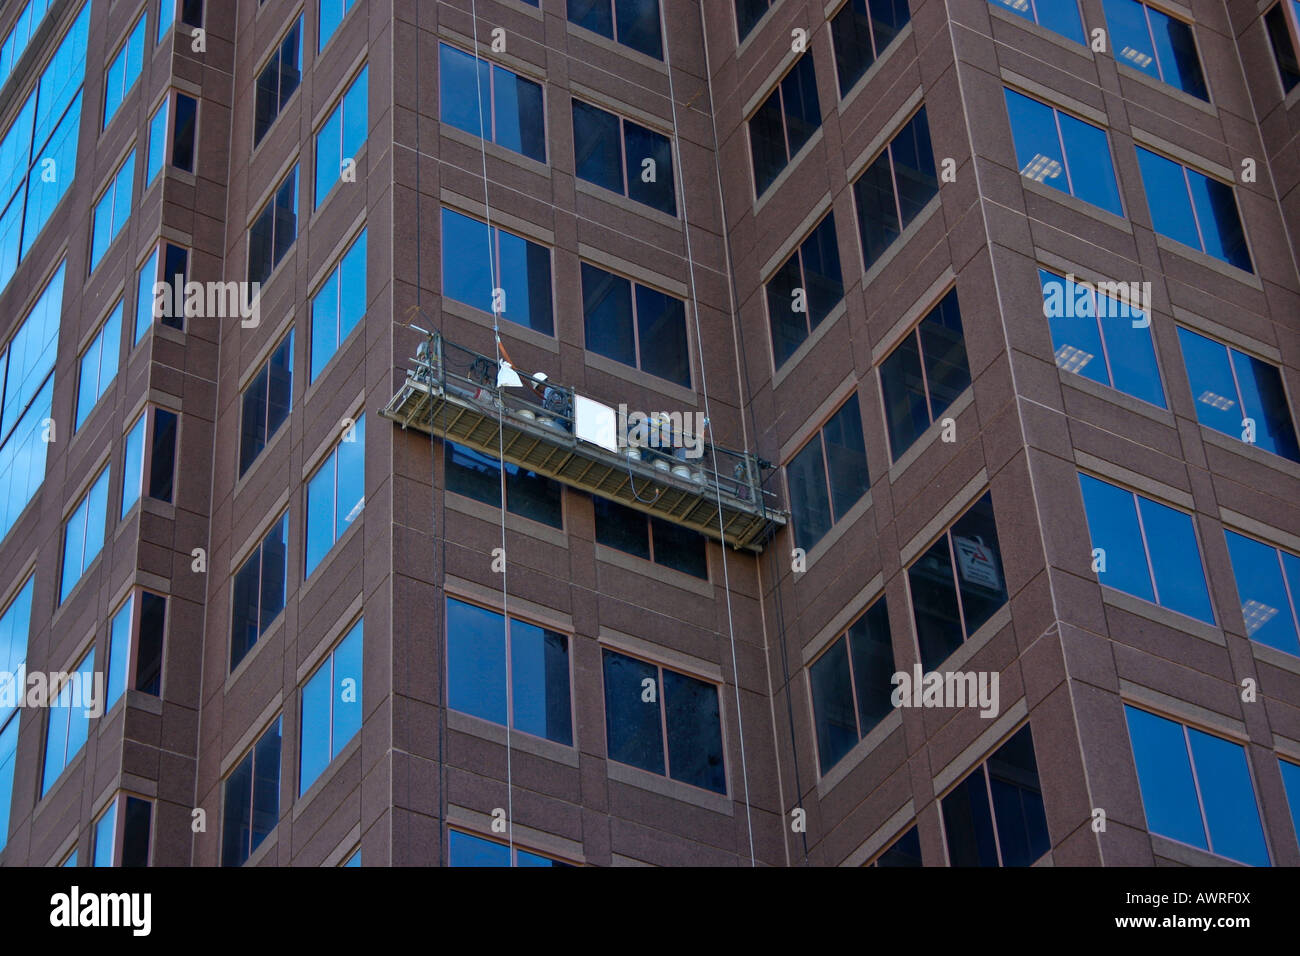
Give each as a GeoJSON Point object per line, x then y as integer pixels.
{"type": "Point", "coordinates": [1124, 212]}
{"type": "Point", "coordinates": [877, 51]}
{"type": "Point", "coordinates": [148, 417]}
{"type": "Point", "coordinates": [338, 110]}
{"type": "Point", "coordinates": [335, 276]}
{"type": "Point", "coordinates": [1290, 13]}
{"type": "Point", "coordinates": [661, 703]}
{"type": "Point", "coordinates": [331, 460]}
{"type": "Point", "coordinates": [1033, 18]}
{"type": "Point", "coordinates": [347, 7]}
{"type": "Point", "coordinates": [159, 253]}
{"type": "Point", "coordinates": [237, 568]}
{"type": "Point", "coordinates": [447, 452]}
{"type": "Point", "coordinates": [105, 476]}
{"type": "Point", "coordinates": [888, 150]}
{"type": "Point", "coordinates": [514, 848]}
{"type": "Point", "coordinates": [612, 6]}
{"type": "Point", "coordinates": [357, 628]}
{"type": "Point", "coordinates": [250, 754]}
{"type": "Point", "coordinates": [1150, 564]}
{"type": "Point", "coordinates": [122, 54]}
{"type": "Point", "coordinates": [624, 172]}
{"type": "Point", "coordinates": [704, 539]}
{"type": "Point", "coordinates": [264, 365]}
{"type": "Point", "coordinates": [1160, 67]}
{"type": "Point", "coordinates": [817, 435]}
{"type": "Point", "coordinates": [282, 102]}
{"type": "Point", "coordinates": [1190, 197]}
{"type": "Point", "coordinates": [117, 806]}
{"type": "Point", "coordinates": [109, 194]}
{"type": "Point", "coordinates": [508, 668]}
{"type": "Point", "coordinates": [99, 340]}
{"type": "Point", "coordinates": [1292, 594]}
{"type": "Point", "coordinates": [1190, 754]}
{"type": "Point", "coordinates": [797, 254]}
{"type": "Point", "coordinates": [84, 664]}
{"type": "Point", "coordinates": [778, 91]}
{"type": "Point", "coordinates": [688, 355]}
{"type": "Point", "coordinates": [495, 231]}
{"type": "Point", "coordinates": [489, 118]}
{"type": "Point", "coordinates": [133, 606]}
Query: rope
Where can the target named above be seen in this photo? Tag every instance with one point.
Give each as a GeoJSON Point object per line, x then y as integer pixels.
{"type": "Point", "coordinates": [501, 458]}
{"type": "Point", "coordinates": [680, 182]}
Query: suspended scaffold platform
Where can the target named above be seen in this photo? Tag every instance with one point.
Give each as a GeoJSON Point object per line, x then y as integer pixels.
{"type": "Point", "coordinates": [453, 393]}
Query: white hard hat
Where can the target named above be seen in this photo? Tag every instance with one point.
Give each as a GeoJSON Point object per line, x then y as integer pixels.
{"type": "Point", "coordinates": [539, 376]}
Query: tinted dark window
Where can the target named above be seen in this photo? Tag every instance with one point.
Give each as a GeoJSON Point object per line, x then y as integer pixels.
{"type": "Point", "coordinates": [477, 475]}
{"type": "Point", "coordinates": [473, 258]}
{"type": "Point", "coordinates": [860, 32]}
{"type": "Point", "coordinates": [1134, 537]}
{"type": "Point", "coordinates": [784, 122]}
{"type": "Point", "coordinates": [274, 230]}
{"type": "Point", "coordinates": [851, 685]}
{"type": "Point", "coordinates": [635, 325]}
{"type": "Point", "coordinates": [278, 81]}
{"type": "Point", "coordinates": [906, 851]}
{"type": "Point", "coordinates": [828, 475]}
{"type": "Point", "coordinates": [135, 832]}
{"type": "Point", "coordinates": [804, 290]}
{"type": "Point", "coordinates": [266, 403]}
{"type": "Point", "coordinates": [252, 799]}
{"type": "Point", "coordinates": [895, 187]}
{"type": "Point", "coordinates": [633, 532]}
{"type": "Point", "coordinates": [257, 591]}
{"type": "Point", "coordinates": [924, 374]}
{"type": "Point", "coordinates": [175, 268]}
{"type": "Point", "coordinates": [1279, 35]}
{"type": "Point", "coordinates": [1004, 794]}
{"type": "Point", "coordinates": [957, 584]}
{"type": "Point", "coordinates": [623, 157]}
{"type": "Point", "coordinates": [149, 648]}
{"type": "Point", "coordinates": [183, 132]}
{"type": "Point", "coordinates": [634, 23]}
{"type": "Point", "coordinates": [635, 692]}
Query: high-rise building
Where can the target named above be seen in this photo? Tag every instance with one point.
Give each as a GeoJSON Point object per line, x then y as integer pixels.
{"type": "Point", "coordinates": [900, 465]}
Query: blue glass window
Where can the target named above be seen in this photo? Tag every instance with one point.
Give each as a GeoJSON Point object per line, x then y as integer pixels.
{"type": "Point", "coordinates": [828, 476]}
{"type": "Point", "coordinates": [511, 109]}
{"type": "Point", "coordinates": [1196, 788]}
{"type": "Point", "coordinates": [1059, 16]}
{"type": "Point", "coordinates": [1191, 208]}
{"type": "Point", "coordinates": [1235, 392]}
{"type": "Point", "coordinates": [160, 290]}
{"type": "Point", "coordinates": [1068, 154]}
{"type": "Point", "coordinates": [342, 136]}
{"type": "Point", "coordinates": [1268, 585]}
{"type": "Point", "coordinates": [133, 465]}
{"type": "Point", "coordinates": [1159, 45]}
{"type": "Point", "coordinates": [473, 257]}
{"type": "Point", "coordinates": [69, 721]}
{"type": "Point", "coordinates": [98, 364]}
{"type": "Point", "coordinates": [804, 290]}
{"type": "Point", "coordinates": [335, 494]}
{"type": "Point", "coordinates": [123, 71]}
{"type": "Point", "coordinates": [1140, 539]}
{"type": "Point", "coordinates": [83, 534]}
{"type": "Point", "coordinates": [663, 722]}
{"type": "Point", "coordinates": [330, 14]}
{"type": "Point", "coordinates": [1290, 780]}
{"type": "Point", "coordinates": [651, 538]}
{"type": "Point", "coordinates": [112, 210]}
{"type": "Point", "coordinates": [15, 44]}
{"type": "Point", "coordinates": [339, 305]}
{"type": "Point", "coordinates": [331, 707]}
{"type": "Point", "coordinates": [477, 651]}
{"type": "Point", "coordinates": [15, 624]}
{"type": "Point", "coordinates": [166, 17]}
{"type": "Point", "coordinates": [157, 142]}
{"type": "Point", "coordinates": [1100, 331]}
{"type": "Point", "coordinates": [784, 122]}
